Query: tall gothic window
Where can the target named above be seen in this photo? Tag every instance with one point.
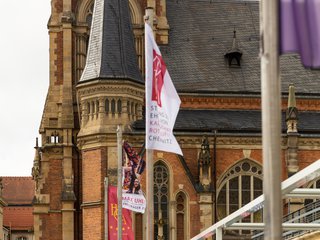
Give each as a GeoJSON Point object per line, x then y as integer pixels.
{"type": "Point", "coordinates": [88, 107]}
{"type": "Point", "coordinates": [107, 105]}
{"type": "Point", "coordinates": [113, 106]}
{"type": "Point", "coordinates": [239, 186]}
{"type": "Point", "coordinates": [180, 215]}
{"type": "Point", "coordinates": [119, 106]}
{"type": "Point", "coordinates": [161, 201]}
{"type": "Point", "coordinates": [128, 108]}
{"type": "Point", "coordinates": [89, 14]}
{"type": "Point", "coordinates": [97, 106]}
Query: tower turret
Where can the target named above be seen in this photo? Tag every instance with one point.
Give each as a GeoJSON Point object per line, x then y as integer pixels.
{"type": "Point", "coordinates": [110, 93]}
{"type": "Point", "coordinates": [111, 87]}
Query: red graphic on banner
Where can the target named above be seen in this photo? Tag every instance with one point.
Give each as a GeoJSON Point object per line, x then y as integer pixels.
{"type": "Point", "coordinates": [127, 232]}
{"type": "Point", "coordinates": [159, 69]}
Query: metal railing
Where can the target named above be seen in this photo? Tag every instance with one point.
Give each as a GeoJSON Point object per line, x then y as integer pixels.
{"type": "Point", "coordinates": [308, 214]}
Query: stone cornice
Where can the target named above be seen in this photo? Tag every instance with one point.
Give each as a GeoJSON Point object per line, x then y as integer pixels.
{"type": "Point", "coordinates": [191, 141]}
{"type": "Point", "coordinates": [111, 88]}
{"type": "Point", "coordinates": [309, 144]}
{"type": "Point", "coordinates": [199, 102]}
{"type": "Point", "coordinates": [240, 102]}
{"type": "Point", "coordinates": [92, 204]}
{"type": "Point", "coordinates": [96, 141]}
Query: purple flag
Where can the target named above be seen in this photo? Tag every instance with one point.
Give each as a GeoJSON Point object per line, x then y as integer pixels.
{"type": "Point", "coordinates": [300, 30]}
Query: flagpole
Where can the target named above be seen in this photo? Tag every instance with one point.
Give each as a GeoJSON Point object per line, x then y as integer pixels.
{"type": "Point", "coordinates": [119, 187]}
{"type": "Point", "coordinates": [106, 223]}
{"type": "Point", "coordinates": [149, 165]}
{"type": "Point", "coordinates": [271, 118]}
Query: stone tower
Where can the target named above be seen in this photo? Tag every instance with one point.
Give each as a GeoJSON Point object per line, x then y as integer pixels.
{"type": "Point", "coordinates": [110, 93]}
{"type": "Point", "coordinates": [56, 201]}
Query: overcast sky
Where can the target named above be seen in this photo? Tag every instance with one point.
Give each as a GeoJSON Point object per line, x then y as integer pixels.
{"type": "Point", "coordinates": [24, 76]}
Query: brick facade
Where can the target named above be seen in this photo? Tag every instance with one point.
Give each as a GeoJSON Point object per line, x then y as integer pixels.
{"type": "Point", "coordinates": [84, 149]}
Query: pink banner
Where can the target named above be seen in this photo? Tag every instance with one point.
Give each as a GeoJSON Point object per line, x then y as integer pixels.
{"type": "Point", "coordinates": [127, 231]}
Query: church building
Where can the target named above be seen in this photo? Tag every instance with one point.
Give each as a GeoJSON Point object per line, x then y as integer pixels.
{"type": "Point", "coordinates": [96, 82]}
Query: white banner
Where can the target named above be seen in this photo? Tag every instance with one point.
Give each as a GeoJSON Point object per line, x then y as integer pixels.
{"type": "Point", "coordinates": [134, 202]}
{"type": "Point", "coordinates": [162, 100]}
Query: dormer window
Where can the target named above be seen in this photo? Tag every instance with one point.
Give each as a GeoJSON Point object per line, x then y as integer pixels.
{"type": "Point", "coordinates": [234, 54]}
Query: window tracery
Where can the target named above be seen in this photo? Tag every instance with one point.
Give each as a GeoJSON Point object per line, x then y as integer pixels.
{"type": "Point", "coordinates": [161, 201]}
{"type": "Point", "coordinates": [180, 215]}
{"type": "Point", "coordinates": [314, 184]}
{"type": "Point", "coordinates": [240, 185]}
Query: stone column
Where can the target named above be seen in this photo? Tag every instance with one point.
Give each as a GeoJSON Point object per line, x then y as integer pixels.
{"type": "Point", "coordinates": [206, 210]}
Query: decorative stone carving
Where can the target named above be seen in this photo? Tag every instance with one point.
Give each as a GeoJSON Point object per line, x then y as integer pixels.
{"type": "Point", "coordinates": [292, 133]}
{"type": "Point", "coordinates": [35, 172]}
{"type": "Point", "coordinates": [204, 161]}
{"type": "Point", "coordinates": [67, 191]}
{"type": "Point", "coordinates": [67, 17]}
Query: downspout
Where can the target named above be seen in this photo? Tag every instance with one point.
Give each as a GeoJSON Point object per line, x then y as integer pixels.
{"type": "Point", "coordinates": [215, 173]}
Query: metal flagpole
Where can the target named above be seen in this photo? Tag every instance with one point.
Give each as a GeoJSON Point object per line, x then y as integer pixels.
{"type": "Point", "coordinates": [119, 192]}
{"type": "Point", "coordinates": [271, 118]}
{"type": "Point", "coordinates": [106, 215]}
{"type": "Point", "coordinates": [149, 165]}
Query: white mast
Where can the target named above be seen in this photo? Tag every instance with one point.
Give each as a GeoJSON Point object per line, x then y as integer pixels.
{"type": "Point", "coordinates": [271, 118]}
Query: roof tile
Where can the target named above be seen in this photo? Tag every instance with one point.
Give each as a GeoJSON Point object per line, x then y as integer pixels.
{"type": "Point", "coordinates": [201, 31]}
{"type": "Point", "coordinates": [18, 218]}
{"type": "Point", "coordinates": [18, 190]}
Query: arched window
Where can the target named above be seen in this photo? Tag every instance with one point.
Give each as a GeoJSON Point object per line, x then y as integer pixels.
{"type": "Point", "coordinates": [181, 215]}
{"type": "Point", "coordinates": [89, 15]}
{"type": "Point", "coordinates": [92, 107]}
{"type": "Point", "coordinates": [136, 109]}
{"type": "Point", "coordinates": [119, 106]}
{"type": "Point", "coordinates": [128, 108]}
{"type": "Point", "coordinates": [97, 106]}
{"type": "Point", "coordinates": [88, 106]}
{"type": "Point", "coordinates": [161, 201]}
{"type": "Point", "coordinates": [132, 108]}
{"type": "Point", "coordinates": [113, 106]}
{"type": "Point", "coordinates": [107, 105]}
{"type": "Point", "coordinates": [239, 186]}
{"type": "Point", "coordinates": [82, 38]}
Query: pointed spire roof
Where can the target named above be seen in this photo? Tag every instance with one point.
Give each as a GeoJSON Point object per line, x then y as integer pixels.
{"type": "Point", "coordinates": [234, 42]}
{"type": "Point", "coordinates": [111, 51]}
{"type": "Point", "coordinates": [292, 111]}
{"type": "Point", "coordinates": [292, 97]}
